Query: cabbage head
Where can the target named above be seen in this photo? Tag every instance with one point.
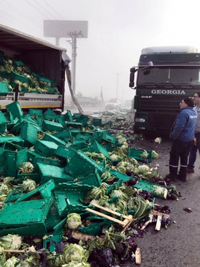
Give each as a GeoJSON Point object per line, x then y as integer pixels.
{"type": "Point", "coordinates": [154, 154]}
{"type": "Point", "coordinates": [11, 241]}
{"type": "Point", "coordinates": [12, 262]}
{"type": "Point", "coordinates": [29, 185]}
{"type": "Point", "coordinates": [74, 252]}
{"type": "Point", "coordinates": [144, 154]}
{"type": "Point", "coordinates": [26, 167]}
{"type": "Point", "coordinates": [73, 221]}
{"type": "Point", "coordinates": [142, 169]}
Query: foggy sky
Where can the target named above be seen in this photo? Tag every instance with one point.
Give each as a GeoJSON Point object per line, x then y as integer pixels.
{"type": "Point", "coordinates": [117, 32]}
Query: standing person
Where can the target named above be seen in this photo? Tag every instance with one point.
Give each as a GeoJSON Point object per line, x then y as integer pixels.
{"type": "Point", "coordinates": [196, 145]}
{"type": "Point", "coordinates": [183, 135]}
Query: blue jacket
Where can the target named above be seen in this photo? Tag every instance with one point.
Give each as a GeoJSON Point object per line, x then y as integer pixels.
{"type": "Point", "coordinates": [184, 125]}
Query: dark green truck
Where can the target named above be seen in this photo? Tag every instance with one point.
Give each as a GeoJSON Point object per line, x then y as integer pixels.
{"type": "Point", "coordinates": [165, 75]}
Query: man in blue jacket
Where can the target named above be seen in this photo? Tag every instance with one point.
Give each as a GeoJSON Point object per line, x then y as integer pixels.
{"type": "Point", "coordinates": [182, 134]}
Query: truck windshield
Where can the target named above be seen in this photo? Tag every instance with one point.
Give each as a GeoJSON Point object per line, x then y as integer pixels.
{"type": "Point", "coordinates": [169, 75]}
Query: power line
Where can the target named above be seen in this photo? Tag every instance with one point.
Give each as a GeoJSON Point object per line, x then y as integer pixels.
{"type": "Point", "coordinates": [19, 12]}
{"type": "Point", "coordinates": [13, 18]}
{"type": "Point", "coordinates": [91, 48]}
{"type": "Point", "coordinates": [44, 8]}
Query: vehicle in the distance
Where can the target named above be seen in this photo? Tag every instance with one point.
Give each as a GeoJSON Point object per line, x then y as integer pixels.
{"type": "Point", "coordinates": [113, 104]}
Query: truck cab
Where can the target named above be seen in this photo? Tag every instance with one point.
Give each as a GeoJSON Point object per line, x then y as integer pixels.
{"type": "Point", "coordinates": [165, 76]}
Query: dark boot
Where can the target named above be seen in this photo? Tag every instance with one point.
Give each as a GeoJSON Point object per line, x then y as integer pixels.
{"type": "Point", "coordinates": [172, 177]}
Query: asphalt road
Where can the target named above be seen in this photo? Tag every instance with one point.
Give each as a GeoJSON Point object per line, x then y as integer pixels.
{"type": "Point", "coordinates": [179, 244]}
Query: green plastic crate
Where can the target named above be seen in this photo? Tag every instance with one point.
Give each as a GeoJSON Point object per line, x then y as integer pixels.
{"type": "Point", "coordinates": [53, 219]}
{"type": "Point", "coordinates": [79, 145]}
{"type": "Point", "coordinates": [18, 77]}
{"type": "Point", "coordinates": [3, 88]}
{"type": "Point", "coordinates": [14, 157]}
{"type": "Point", "coordinates": [33, 230]}
{"type": "Point", "coordinates": [136, 154]}
{"type": "Point", "coordinates": [28, 118]}
{"type": "Point", "coordinates": [74, 125]}
{"type": "Point", "coordinates": [14, 217]}
{"type": "Point", "coordinates": [4, 74]}
{"type": "Point", "coordinates": [51, 241]}
{"type": "Point", "coordinates": [2, 155]}
{"type": "Point", "coordinates": [64, 135]}
{"type": "Point", "coordinates": [109, 138]}
{"type": "Point", "coordinates": [18, 63]}
{"type": "Point", "coordinates": [76, 115]}
{"type": "Point", "coordinates": [64, 153]}
{"type": "Point", "coordinates": [13, 139]}
{"type": "Point", "coordinates": [3, 128]}
{"type": "Point", "coordinates": [92, 179]}
{"type": "Point", "coordinates": [16, 111]}
{"type": "Point", "coordinates": [82, 165]}
{"type": "Point", "coordinates": [29, 133]}
{"type": "Point", "coordinates": [39, 121]}
{"type": "Point", "coordinates": [50, 137]}
{"type": "Point", "coordinates": [96, 147]}
{"type": "Point", "coordinates": [49, 114]}
{"type": "Point", "coordinates": [52, 126]}
{"type": "Point", "coordinates": [83, 137]}
{"type": "Point", "coordinates": [51, 90]}
{"type": "Point", "coordinates": [3, 119]}
{"type": "Point", "coordinates": [74, 132]}
{"type": "Point", "coordinates": [68, 198]}
{"type": "Point", "coordinates": [36, 158]}
{"type": "Point", "coordinates": [44, 190]}
{"type": "Point", "coordinates": [98, 135]}
{"type": "Point", "coordinates": [83, 119]}
{"type": "Point", "coordinates": [68, 116]}
{"type": "Point", "coordinates": [14, 195]}
{"type": "Point", "coordinates": [21, 177]}
{"type": "Point", "coordinates": [45, 148]}
{"type": "Point", "coordinates": [44, 79]}
{"type": "Point", "coordinates": [35, 112]}
{"type": "Point", "coordinates": [97, 122]}
{"type": "Point", "coordinates": [155, 189]}
{"type": "Point", "coordinates": [54, 173]}
{"type": "Point", "coordinates": [60, 119]}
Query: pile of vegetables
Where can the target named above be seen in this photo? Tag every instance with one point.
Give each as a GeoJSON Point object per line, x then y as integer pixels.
{"type": "Point", "coordinates": [117, 192]}
{"type": "Point", "coordinates": [36, 83]}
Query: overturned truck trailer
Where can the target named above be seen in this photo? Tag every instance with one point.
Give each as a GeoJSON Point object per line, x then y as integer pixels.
{"type": "Point", "coordinates": [36, 74]}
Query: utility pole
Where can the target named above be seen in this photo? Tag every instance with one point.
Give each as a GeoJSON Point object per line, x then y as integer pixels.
{"type": "Point", "coordinates": [117, 83]}
{"type": "Point", "coordinates": [73, 42]}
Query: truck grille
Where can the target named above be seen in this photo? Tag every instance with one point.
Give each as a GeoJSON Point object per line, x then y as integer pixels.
{"type": "Point", "coordinates": [161, 102]}
{"type": "Point", "coordinates": [162, 120]}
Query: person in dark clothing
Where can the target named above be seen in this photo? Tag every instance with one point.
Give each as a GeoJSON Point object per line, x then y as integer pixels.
{"type": "Point", "coordinates": [182, 134]}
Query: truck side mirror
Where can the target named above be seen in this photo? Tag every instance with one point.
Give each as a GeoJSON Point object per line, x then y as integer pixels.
{"type": "Point", "coordinates": [132, 77]}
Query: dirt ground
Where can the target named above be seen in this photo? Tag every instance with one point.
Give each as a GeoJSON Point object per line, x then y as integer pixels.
{"type": "Point", "coordinates": [178, 245]}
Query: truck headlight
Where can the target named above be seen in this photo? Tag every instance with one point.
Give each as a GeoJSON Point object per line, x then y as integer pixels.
{"type": "Point", "coordinates": [139, 120]}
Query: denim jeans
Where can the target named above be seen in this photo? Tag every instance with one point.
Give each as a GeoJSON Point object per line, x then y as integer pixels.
{"type": "Point", "coordinates": [193, 152]}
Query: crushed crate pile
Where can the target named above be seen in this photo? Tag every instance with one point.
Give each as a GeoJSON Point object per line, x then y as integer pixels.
{"type": "Point", "coordinates": [54, 166]}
